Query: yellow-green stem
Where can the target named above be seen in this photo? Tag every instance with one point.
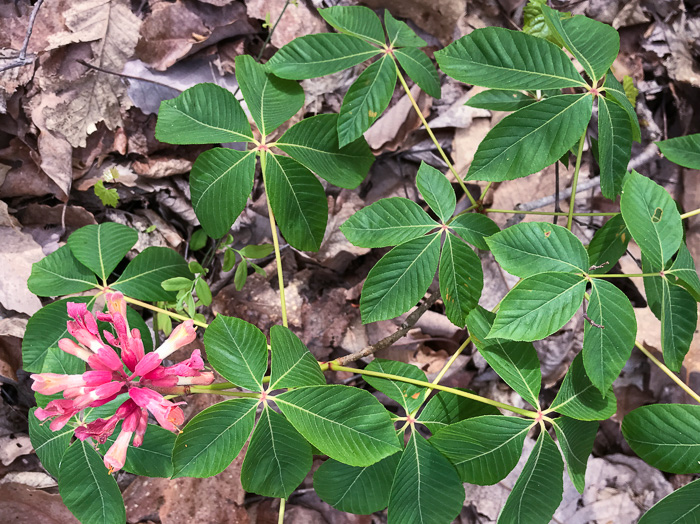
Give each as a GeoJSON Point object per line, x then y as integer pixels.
{"type": "Point", "coordinates": [572, 201]}
{"type": "Point", "coordinates": [624, 275]}
{"type": "Point", "coordinates": [548, 213]}
{"type": "Point", "coordinates": [280, 519]}
{"type": "Point", "coordinates": [164, 311]}
{"type": "Point", "coordinates": [275, 241]}
{"type": "Point", "coordinates": [668, 372]}
{"type": "Point", "coordinates": [242, 394]}
{"type": "Point", "coordinates": [690, 214]}
{"type": "Point", "coordinates": [524, 412]}
{"type": "Point", "coordinates": [444, 369]}
{"type": "Point", "coordinates": [431, 135]}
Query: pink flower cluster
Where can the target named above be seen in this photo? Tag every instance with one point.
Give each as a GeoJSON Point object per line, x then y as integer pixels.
{"type": "Point", "coordinates": [108, 378]}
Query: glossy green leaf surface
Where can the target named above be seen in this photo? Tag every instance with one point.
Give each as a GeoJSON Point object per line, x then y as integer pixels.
{"type": "Point", "coordinates": [356, 21]}
{"type": "Point", "coordinates": [48, 445]}
{"type": "Point", "coordinates": [578, 398]}
{"type": "Point", "coordinates": [530, 248]}
{"type": "Point", "coordinates": [220, 184]}
{"type": "Point", "coordinates": [497, 100]}
{"type": "Point", "coordinates": [665, 436]}
{"type": "Point", "coordinates": [679, 318]}
{"type": "Point", "coordinates": [474, 228]}
{"type": "Point", "coordinates": [203, 114]}
{"type": "Point", "coordinates": [313, 142]}
{"type": "Point", "coordinates": [408, 395]}
{"type": "Point", "coordinates": [143, 276]}
{"type": "Point", "coordinates": [504, 59]}
{"type": "Point", "coordinates": [614, 146]}
{"type": "Point", "coordinates": [298, 202]}
{"type": "Point", "coordinates": [461, 279]}
{"type": "Point", "coordinates": [101, 247]}
{"type": "Point", "coordinates": [446, 408]}
{"type": "Point", "coordinates": [387, 222]}
{"type": "Point", "coordinates": [680, 507]}
{"type": "Point", "coordinates": [237, 350]}
{"type": "Point", "coordinates": [292, 365]}
{"type": "Point", "coordinates": [347, 424]}
{"type": "Point", "coordinates": [420, 69]}
{"type": "Point", "coordinates": [400, 279]}
{"type": "Point", "coordinates": [616, 92]}
{"type": "Point", "coordinates": [483, 449]}
{"type": "Point", "coordinates": [532, 138]}
{"type": "Point", "coordinates": [60, 273]}
{"type": "Point", "coordinates": [437, 191]}
{"type": "Point", "coordinates": [576, 439]}
{"type": "Point", "coordinates": [538, 306]}
{"type": "Point", "coordinates": [608, 244]}
{"type": "Point", "coordinates": [400, 34]}
{"type": "Point", "coordinates": [153, 458]}
{"type": "Point", "coordinates": [682, 150]}
{"type": "Point", "coordinates": [683, 269]}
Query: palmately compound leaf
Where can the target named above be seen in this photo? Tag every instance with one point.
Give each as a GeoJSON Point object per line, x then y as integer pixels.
{"type": "Point", "coordinates": [313, 142]}
{"type": "Point", "coordinates": [483, 449]}
{"type": "Point", "coordinates": [504, 59]}
{"type": "Point", "coordinates": [420, 69]}
{"type": "Point", "coordinates": [237, 350]}
{"type": "Point", "coordinates": [437, 191]}
{"type": "Point", "coordinates": [576, 439]}
{"type": "Point", "coordinates": [270, 100]}
{"type": "Point", "coordinates": [278, 458]}
{"type": "Point", "coordinates": [530, 248]}
{"type": "Point", "coordinates": [538, 306]}
{"type": "Point", "coordinates": [652, 217]}
{"type": "Point", "coordinates": [101, 247]}
{"type": "Point", "coordinates": [461, 279]}
{"type": "Point", "coordinates": [614, 90]}
{"type": "Point", "coordinates": [366, 99]}
{"type": "Point", "coordinates": [203, 114]}
{"type": "Point", "coordinates": [679, 318]}
{"type": "Point", "coordinates": [447, 408]}
{"type": "Point", "coordinates": [515, 362]}
{"type": "Point", "coordinates": [387, 222]}
{"type": "Point", "coordinates": [347, 424]}
{"type": "Point", "coordinates": [682, 150]}
{"type": "Point", "coordinates": [213, 438]}
{"type": "Point", "coordinates": [89, 492]}
{"type": "Point", "coordinates": [400, 35]}
{"type": "Point", "coordinates": [409, 396]}
{"type": "Point", "coordinates": [535, 25]}
{"type": "Point", "coordinates": [665, 436]}
{"type": "Point", "coordinates": [578, 398]}
{"type": "Point", "coordinates": [292, 365]}
{"type": "Point", "coordinates": [426, 487]}
{"type": "Point", "coordinates": [48, 445]}
{"type": "Point", "coordinates": [143, 277]}
{"type": "Point", "coordinates": [220, 183]}
{"type": "Point", "coordinates": [400, 279]}
{"type": "Point", "coordinates": [298, 202]}
{"type": "Point", "coordinates": [356, 21]}
{"type": "Point", "coordinates": [614, 146]}
{"type": "Point", "coordinates": [474, 228]}
{"type": "Point", "coordinates": [683, 269]}
{"type": "Point", "coordinates": [608, 334]}
{"type": "Point", "coordinates": [538, 491]}
{"type": "Point", "coordinates": [532, 138]}
{"type": "Point", "coordinates": [353, 489]}
{"type": "Point", "coordinates": [317, 55]}
{"type": "Point", "coordinates": [680, 507]}
{"type": "Point", "coordinates": [608, 244]}
{"type": "Point", "coordinates": [594, 44]}
{"type": "Point", "coordinates": [497, 100]}
{"type": "Point", "coordinates": [60, 273]}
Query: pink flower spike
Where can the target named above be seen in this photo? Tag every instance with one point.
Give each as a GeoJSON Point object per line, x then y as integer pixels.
{"type": "Point", "coordinates": [70, 347]}
{"type": "Point", "coordinates": [203, 379]}
{"type": "Point", "coordinates": [96, 394]}
{"type": "Point", "coordinates": [52, 383]}
{"type": "Point", "coordinates": [180, 337]}
{"type": "Point", "coordinates": [106, 359]}
{"type": "Point", "coordinates": [132, 351]}
{"type": "Point", "coordinates": [141, 429]}
{"type": "Point", "coordinates": [116, 455]}
{"type": "Point", "coordinates": [63, 409]}
{"type": "Point", "coordinates": [84, 328]}
{"type": "Point", "coordinates": [166, 413]}
{"type": "Point", "coordinates": [187, 368]}
{"type": "Point", "coordinates": [99, 429]}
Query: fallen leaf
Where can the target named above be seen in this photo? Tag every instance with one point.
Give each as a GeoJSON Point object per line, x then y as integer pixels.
{"type": "Point", "coordinates": [12, 446]}
{"type": "Point", "coordinates": [24, 177]}
{"type": "Point", "coordinates": [11, 334]}
{"type": "Point", "coordinates": [21, 504]}
{"type": "Point", "coordinates": [19, 252]}
{"type": "Point", "coordinates": [298, 19]}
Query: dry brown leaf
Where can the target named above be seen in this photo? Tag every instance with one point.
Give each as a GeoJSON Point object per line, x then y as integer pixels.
{"type": "Point", "coordinates": [114, 31]}
{"type": "Point", "coordinates": [24, 178]}
{"type": "Point", "coordinates": [13, 446]}
{"type": "Point", "coordinates": [11, 334]}
{"type": "Point", "coordinates": [7, 220]}
{"type": "Point", "coordinates": [19, 252]}
{"type": "Point", "coordinates": [298, 19]}
{"type": "Point", "coordinates": [20, 504]}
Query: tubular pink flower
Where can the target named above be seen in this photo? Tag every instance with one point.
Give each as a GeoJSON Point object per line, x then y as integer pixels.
{"type": "Point", "coordinates": [52, 383]}
{"type": "Point", "coordinates": [84, 328]}
{"type": "Point", "coordinates": [180, 337]}
{"type": "Point", "coordinates": [166, 413]}
{"type": "Point", "coordinates": [70, 347]}
{"type": "Point", "coordinates": [116, 454]}
{"type": "Point", "coordinates": [106, 392]}
{"type": "Point", "coordinates": [99, 429]}
{"type": "Point", "coordinates": [62, 409]}
{"type": "Point", "coordinates": [141, 429]}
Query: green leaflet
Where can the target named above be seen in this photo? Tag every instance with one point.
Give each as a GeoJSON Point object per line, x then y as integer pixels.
{"type": "Point", "coordinates": [680, 507]}
{"type": "Point", "coordinates": [101, 247]}
{"type": "Point", "coordinates": [504, 59]}
{"type": "Point", "coordinates": [532, 138]}
{"type": "Point", "coordinates": [298, 202]}
{"type": "Point", "coordinates": [437, 191]}
{"type": "Point", "coordinates": [665, 436]}
{"type": "Point", "coordinates": [420, 69]}
{"type": "Point", "coordinates": [143, 276]}
{"type": "Point", "coordinates": [366, 99]}
{"type": "Point", "coordinates": [614, 146]}
{"type": "Point", "coordinates": [270, 100]}
{"type": "Point", "coordinates": [483, 449]}
{"type": "Point", "coordinates": [614, 90]}
{"type": "Point", "coordinates": [608, 244]}
{"type": "Point", "coordinates": [203, 114]}
{"type": "Point", "coordinates": [356, 21]}
{"type": "Point", "coordinates": [408, 395]}
{"type": "Point", "coordinates": [461, 279]}
{"type": "Point", "coordinates": [530, 248]}
{"type": "Point", "coordinates": [426, 488]}
{"type": "Point", "coordinates": [317, 55]}
{"type": "Point", "coordinates": [576, 439]}
{"type": "Point", "coordinates": [607, 348]}
{"type": "Point", "coordinates": [400, 34]}
{"type": "Point", "coordinates": [48, 445]}
{"type": "Point", "coordinates": [538, 306]}
{"type": "Point", "coordinates": [387, 222]}
{"type": "Point", "coordinates": [535, 25]}
{"type": "Point", "coordinates": [538, 491]}
{"type": "Point", "coordinates": [679, 318]}
{"type": "Point", "coordinates": [220, 183]}
{"type": "Point", "coordinates": [683, 150]}
{"type": "Point", "coordinates": [400, 279]}
{"type": "Point", "coordinates": [652, 218]}
{"type": "Point", "coordinates": [474, 228]}
{"type": "Point", "coordinates": [153, 458]}
{"type": "Point", "coordinates": [497, 100]}
{"type": "Point", "coordinates": [277, 459]}
{"type": "Point", "coordinates": [293, 365]}
{"type": "Point", "coordinates": [60, 273]}
{"type": "Point", "coordinates": [683, 269]}
{"type": "Point", "coordinates": [446, 408]}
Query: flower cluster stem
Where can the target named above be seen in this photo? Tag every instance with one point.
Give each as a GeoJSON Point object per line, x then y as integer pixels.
{"type": "Point", "coordinates": [177, 316]}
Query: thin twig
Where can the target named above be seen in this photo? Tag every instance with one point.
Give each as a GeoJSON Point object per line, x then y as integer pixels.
{"type": "Point", "coordinates": [129, 77]}
{"type": "Point", "coordinates": [388, 341]}
{"type": "Point", "coordinates": [22, 59]}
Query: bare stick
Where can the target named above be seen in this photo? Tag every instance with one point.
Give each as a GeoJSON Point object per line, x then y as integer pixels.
{"type": "Point", "coordinates": [22, 59]}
